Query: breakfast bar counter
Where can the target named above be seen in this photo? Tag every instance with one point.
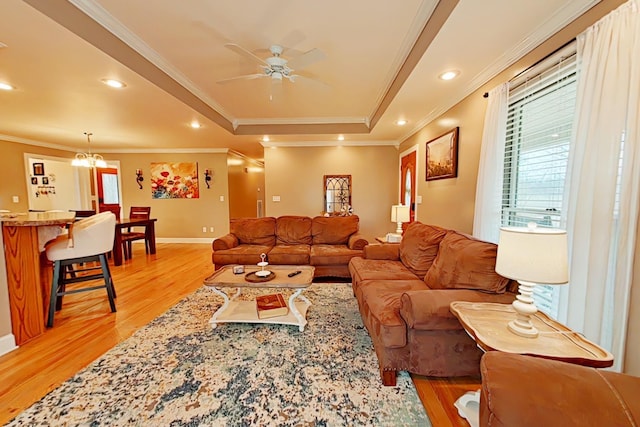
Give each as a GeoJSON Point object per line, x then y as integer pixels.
{"type": "Point", "coordinates": [24, 236]}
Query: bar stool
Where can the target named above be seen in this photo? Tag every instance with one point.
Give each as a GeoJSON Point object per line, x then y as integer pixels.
{"type": "Point", "coordinates": [88, 240]}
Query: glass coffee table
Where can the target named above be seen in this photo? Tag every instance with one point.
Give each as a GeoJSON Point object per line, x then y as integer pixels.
{"type": "Point", "coordinates": [237, 310]}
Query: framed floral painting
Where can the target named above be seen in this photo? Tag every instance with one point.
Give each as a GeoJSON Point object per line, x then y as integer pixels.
{"type": "Point", "coordinates": [174, 181]}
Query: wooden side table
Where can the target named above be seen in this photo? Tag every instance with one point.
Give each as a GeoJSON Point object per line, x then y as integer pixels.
{"type": "Point", "coordinates": [487, 323]}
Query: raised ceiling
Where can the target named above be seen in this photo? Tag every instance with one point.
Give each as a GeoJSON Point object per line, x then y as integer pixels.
{"type": "Point", "coordinates": [382, 61]}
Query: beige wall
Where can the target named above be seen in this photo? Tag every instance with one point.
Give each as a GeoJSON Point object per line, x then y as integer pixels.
{"type": "Point", "coordinates": [295, 174]}
{"type": "Point", "coordinates": [179, 218]}
{"type": "Point", "coordinates": [450, 202]}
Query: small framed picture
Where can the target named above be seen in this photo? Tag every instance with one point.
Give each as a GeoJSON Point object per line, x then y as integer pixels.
{"type": "Point", "coordinates": [45, 180]}
{"type": "Point", "coordinates": [34, 180]}
{"type": "Point", "coordinates": [38, 169]}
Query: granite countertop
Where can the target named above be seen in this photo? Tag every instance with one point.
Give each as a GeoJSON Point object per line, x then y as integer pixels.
{"type": "Point", "coordinates": [36, 218]}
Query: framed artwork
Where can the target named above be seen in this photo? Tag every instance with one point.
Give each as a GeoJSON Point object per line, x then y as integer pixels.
{"type": "Point", "coordinates": [442, 156]}
{"type": "Point", "coordinates": [174, 180]}
{"type": "Point", "coordinates": [38, 169]}
{"type": "Point", "coordinates": [34, 180]}
{"type": "Point", "coordinates": [45, 180]}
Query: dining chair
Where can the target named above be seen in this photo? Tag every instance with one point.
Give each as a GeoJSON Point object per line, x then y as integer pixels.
{"type": "Point", "coordinates": [111, 208]}
{"type": "Point", "coordinates": [128, 236]}
{"type": "Point", "coordinates": [89, 240]}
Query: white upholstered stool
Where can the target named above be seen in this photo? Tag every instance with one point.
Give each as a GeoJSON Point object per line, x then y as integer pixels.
{"type": "Point", "coordinates": [89, 239]}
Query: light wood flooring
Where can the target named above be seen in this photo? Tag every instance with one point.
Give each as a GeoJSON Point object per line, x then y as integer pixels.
{"type": "Point", "coordinates": [147, 286]}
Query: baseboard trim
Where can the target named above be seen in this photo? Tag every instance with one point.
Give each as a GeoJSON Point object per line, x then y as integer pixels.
{"type": "Point", "coordinates": [7, 344]}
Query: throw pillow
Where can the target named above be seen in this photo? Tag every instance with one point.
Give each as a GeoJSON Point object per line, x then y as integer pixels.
{"type": "Point", "coordinates": [465, 263]}
{"type": "Point", "coordinates": [419, 246]}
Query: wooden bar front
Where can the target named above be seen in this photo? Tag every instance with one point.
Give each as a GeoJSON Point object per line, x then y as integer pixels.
{"type": "Point", "coordinates": [28, 280]}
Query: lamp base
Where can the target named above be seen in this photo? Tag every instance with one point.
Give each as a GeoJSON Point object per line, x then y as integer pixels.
{"type": "Point", "coordinates": [399, 228]}
{"type": "Point", "coordinates": [525, 308]}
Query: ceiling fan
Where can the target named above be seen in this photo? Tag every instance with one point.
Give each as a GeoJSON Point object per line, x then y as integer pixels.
{"type": "Point", "coordinates": [276, 67]}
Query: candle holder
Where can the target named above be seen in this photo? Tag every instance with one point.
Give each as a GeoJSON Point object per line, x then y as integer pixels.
{"type": "Point", "coordinates": [139, 177]}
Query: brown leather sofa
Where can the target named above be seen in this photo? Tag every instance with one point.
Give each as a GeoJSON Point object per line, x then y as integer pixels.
{"type": "Point", "coordinates": [327, 243]}
{"type": "Point", "coordinates": [404, 291]}
{"type": "Point", "coordinates": [527, 391]}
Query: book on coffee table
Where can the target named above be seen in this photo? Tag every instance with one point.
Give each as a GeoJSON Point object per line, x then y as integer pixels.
{"type": "Point", "coordinates": [272, 305]}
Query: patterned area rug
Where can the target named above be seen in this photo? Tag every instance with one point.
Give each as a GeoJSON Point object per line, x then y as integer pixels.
{"type": "Point", "coordinates": [179, 371]}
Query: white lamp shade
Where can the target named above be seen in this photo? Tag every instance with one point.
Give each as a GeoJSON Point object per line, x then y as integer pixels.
{"type": "Point", "coordinates": [399, 213]}
{"type": "Point", "coordinates": [532, 254]}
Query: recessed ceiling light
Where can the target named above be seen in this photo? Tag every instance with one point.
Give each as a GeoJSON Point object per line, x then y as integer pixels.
{"type": "Point", "coordinates": [401, 122]}
{"type": "Point", "coordinates": [195, 125]}
{"type": "Point", "coordinates": [448, 75]}
{"type": "Point", "coordinates": [113, 83]}
{"type": "Point", "coordinates": [265, 138]}
{"type": "Point", "coordinates": [340, 137]}
{"type": "Point", "coordinates": [6, 86]}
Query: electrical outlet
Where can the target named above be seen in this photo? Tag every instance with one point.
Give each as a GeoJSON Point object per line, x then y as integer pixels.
{"type": "Point", "coordinates": [16, 199]}
{"type": "Point", "coordinates": [222, 198]}
{"type": "Point", "coordinates": [211, 229]}
{"type": "Point", "coordinates": [204, 229]}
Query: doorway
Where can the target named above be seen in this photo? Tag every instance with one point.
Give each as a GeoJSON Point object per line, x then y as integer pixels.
{"type": "Point", "coordinates": [108, 189]}
{"type": "Point", "coordinates": [408, 181]}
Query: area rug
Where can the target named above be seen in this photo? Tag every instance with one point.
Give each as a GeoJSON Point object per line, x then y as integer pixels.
{"type": "Point", "coordinates": [178, 371]}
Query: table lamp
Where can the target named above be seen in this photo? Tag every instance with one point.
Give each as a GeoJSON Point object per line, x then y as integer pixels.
{"type": "Point", "coordinates": [399, 214]}
{"type": "Point", "coordinates": [531, 255]}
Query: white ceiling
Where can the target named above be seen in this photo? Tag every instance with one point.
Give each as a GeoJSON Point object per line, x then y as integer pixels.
{"type": "Point", "coordinates": [382, 63]}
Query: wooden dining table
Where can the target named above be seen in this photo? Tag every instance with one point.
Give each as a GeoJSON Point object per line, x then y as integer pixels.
{"type": "Point", "coordinates": [150, 235]}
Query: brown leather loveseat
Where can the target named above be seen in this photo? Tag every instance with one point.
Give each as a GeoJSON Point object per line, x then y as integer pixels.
{"type": "Point", "coordinates": [404, 291]}
{"type": "Point", "coordinates": [526, 391]}
{"type": "Point", "coordinates": [327, 243]}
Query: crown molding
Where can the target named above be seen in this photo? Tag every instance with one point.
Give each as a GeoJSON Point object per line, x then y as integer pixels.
{"type": "Point", "coordinates": [43, 144]}
{"type": "Point", "coordinates": [331, 144]}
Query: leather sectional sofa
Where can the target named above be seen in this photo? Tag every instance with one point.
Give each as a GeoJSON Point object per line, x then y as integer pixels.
{"type": "Point", "coordinates": [327, 243]}
{"type": "Point", "coordinates": [528, 391]}
{"type": "Point", "coordinates": [404, 291]}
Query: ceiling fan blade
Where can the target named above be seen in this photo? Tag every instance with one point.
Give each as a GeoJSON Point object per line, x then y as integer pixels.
{"type": "Point", "coordinates": [244, 52]}
{"type": "Point", "coordinates": [306, 59]}
{"type": "Point", "coordinates": [299, 77]}
{"type": "Point", "coordinates": [245, 77]}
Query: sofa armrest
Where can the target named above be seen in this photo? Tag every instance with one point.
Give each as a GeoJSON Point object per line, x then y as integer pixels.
{"type": "Point", "coordinates": [384, 251]}
{"type": "Point", "coordinates": [429, 309]}
{"type": "Point", "coordinates": [357, 242]}
{"type": "Point", "coordinates": [227, 241]}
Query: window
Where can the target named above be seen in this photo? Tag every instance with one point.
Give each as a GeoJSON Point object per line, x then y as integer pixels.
{"type": "Point", "coordinates": [539, 124]}
{"type": "Point", "coordinates": [337, 194]}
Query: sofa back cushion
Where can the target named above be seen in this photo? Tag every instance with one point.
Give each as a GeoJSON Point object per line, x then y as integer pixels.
{"type": "Point", "coordinates": [465, 263]}
{"type": "Point", "coordinates": [254, 231]}
{"type": "Point", "coordinates": [419, 246]}
{"type": "Point", "coordinates": [293, 230]}
{"type": "Point", "coordinates": [333, 230]}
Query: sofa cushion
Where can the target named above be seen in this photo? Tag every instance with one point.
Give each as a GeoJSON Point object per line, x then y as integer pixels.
{"type": "Point", "coordinates": [333, 230]}
{"type": "Point", "coordinates": [332, 254]}
{"type": "Point", "coordinates": [241, 254]}
{"type": "Point", "coordinates": [290, 255]}
{"type": "Point", "coordinates": [254, 231]}
{"type": "Point", "coordinates": [293, 230]}
{"type": "Point", "coordinates": [465, 263]}
{"type": "Point", "coordinates": [382, 299]}
{"type": "Point", "coordinates": [372, 269]}
{"type": "Point", "coordinates": [419, 246]}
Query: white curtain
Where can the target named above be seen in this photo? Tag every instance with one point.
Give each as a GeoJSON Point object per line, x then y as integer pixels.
{"type": "Point", "coordinates": [603, 190]}
{"type": "Point", "coordinates": [487, 214]}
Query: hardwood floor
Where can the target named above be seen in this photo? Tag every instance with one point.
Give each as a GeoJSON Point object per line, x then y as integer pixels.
{"type": "Point", "coordinates": [147, 286]}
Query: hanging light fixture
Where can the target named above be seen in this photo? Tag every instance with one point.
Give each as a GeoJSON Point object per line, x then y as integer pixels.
{"type": "Point", "coordinates": [89, 160]}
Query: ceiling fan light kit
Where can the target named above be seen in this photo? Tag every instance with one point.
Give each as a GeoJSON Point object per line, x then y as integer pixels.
{"type": "Point", "coordinates": [276, 67]}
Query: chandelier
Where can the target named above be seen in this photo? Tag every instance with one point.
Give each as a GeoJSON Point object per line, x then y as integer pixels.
{"type": "Point", "coordinates": [89, 160]}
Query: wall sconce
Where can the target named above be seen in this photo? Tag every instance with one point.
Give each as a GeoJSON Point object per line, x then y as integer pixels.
{"type": "Point", "coordinates": [139, 177]}
{"type": "Point", "coordinates": [207, 177]}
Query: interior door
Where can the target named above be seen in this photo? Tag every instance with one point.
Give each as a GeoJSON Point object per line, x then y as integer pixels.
{"type": "Point", "coordinates": [408, 183]}
{"type": "Point", "coordinates": [108, 193]}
